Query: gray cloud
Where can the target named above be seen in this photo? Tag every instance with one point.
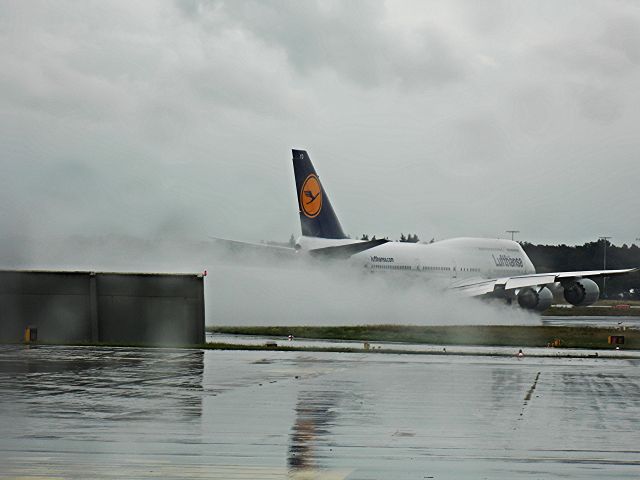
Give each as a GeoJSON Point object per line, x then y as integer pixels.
{"type": "Point", "coordinates": [351, 39]}
{"type": "Point", "coordinates": [623, 35]}
{"type": "Point", "coordinates": [440, 118]}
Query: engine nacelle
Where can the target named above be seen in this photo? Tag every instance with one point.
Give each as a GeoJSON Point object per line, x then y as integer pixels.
{"type": "Point", "coordinates": [581, 292]}
{"type": "Point", "coordinates": [532, 299]}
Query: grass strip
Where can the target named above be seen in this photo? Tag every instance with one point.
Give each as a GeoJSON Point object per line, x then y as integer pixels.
{"type": "Point", "coordinates": [605, 311]}
{"type": "Point", "coordinates": [479, 335]}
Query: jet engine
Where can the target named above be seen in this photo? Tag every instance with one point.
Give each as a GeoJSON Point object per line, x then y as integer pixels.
{"type": "Point", "coordinates": [581, 292]}
{"type": "Point", "coordinates": [532, 299]}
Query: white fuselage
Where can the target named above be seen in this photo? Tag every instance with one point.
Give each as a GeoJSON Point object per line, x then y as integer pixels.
{"type": "Point", "coordinates": [446, 261]}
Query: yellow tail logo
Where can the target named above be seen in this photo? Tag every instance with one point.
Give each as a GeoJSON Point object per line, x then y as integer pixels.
{"type": "Point", "coordinates": [311, 196]}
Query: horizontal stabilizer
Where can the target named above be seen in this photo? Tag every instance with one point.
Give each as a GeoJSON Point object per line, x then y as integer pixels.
{"type": "Point", "coordinates": [235, 246]}
{"type": "Point", "coordinates": [345, 251]}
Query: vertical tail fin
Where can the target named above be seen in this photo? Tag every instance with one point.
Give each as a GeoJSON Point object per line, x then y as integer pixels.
{"type": "Point", "coordinates": [317, 217]}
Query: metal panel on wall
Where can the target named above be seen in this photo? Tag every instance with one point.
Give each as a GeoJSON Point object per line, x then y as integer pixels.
{"type": "Point", "coordinates": [125, 308]}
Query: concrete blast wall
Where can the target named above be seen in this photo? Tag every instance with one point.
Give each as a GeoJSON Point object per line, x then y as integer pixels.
{"type": "Point", "coordinates": [102, 307]}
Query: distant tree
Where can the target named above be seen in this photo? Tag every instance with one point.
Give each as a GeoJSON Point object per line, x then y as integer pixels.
{"type": "Point", "coordinates": [410, 238]}
{"type": "Point", "coordinates": [292, 241]}
{"type": "Point", "coordinates": [590, 256]}
{"type": "Point", "coordinates": [365, 237]}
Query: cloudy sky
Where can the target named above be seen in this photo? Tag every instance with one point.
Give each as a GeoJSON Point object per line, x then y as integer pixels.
{"type": "Point", "coordinates": [176, 118]}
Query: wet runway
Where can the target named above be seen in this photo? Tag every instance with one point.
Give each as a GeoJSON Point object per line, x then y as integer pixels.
{"type": "Point", "coordinates": [632, 322]}
{"type": "Point", "coordinates": [397, 347]}
{"type": "Point", "coordinates": [89, 412]}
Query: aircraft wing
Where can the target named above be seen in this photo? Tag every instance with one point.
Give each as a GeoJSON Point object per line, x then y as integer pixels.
{"type": "Point", "coordinates": [479, 286]}
{"type": "Point", "coordinates": [335, 252]}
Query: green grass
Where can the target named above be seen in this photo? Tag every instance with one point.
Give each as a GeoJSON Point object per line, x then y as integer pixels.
{"type": "Point", "coordinates": [491, 335]}
{"type": "Point", "coordinates": [617, 302]}
{"type": "Point", "coordinates": [279, 348]}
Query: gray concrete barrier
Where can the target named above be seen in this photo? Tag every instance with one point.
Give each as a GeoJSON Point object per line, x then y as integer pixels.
{"type": "Point", "coordinates": [145, 308]}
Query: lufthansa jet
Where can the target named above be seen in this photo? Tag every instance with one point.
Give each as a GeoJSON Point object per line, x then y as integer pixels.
{"type": "Point", "coordinates": [470, 266]}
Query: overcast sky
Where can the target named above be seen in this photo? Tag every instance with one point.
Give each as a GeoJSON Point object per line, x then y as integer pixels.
{"type": "Point", "coordinates": [177, 118]}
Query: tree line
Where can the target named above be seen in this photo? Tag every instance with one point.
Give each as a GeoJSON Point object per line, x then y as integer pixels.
{"type": "Point", "coordinates": [409, 238]}
{"type": "Point", "coordinates": [590, 256]}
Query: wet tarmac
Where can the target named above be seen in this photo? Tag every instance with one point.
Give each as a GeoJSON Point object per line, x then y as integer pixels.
{"type": "Point", "coordinates": [632, 322]}
{"type": "Point", "coordinates": [91, 412]}
{"type": "Point", "coordinates": [397, 347]}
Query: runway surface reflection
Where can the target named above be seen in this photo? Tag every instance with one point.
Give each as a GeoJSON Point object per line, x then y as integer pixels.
{"type": "Point", "coordinates": [89, 412]}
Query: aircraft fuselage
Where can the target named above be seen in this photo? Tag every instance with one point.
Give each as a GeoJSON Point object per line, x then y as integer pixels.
{"type": "Point", "coordinates": [446, 261]}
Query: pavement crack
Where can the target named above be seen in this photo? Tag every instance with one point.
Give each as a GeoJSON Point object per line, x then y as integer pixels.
{"type": "Point", "coordinates": [527, 397]}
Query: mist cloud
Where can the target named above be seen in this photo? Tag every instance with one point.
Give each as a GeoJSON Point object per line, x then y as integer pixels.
{"type": "Point", "coordinates": [300, 294]}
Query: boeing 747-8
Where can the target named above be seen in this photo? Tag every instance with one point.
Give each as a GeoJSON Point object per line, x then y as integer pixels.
{"type": "Point", "coordinates": [470, 266]}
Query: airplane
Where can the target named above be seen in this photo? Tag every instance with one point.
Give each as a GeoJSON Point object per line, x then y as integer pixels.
{"type": "Point", "coordinates": [476, 267]}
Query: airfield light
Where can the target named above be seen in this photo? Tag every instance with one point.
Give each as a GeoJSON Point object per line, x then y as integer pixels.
{"type": "Point", "coordinates": [605, 240]}
{"type": "Point", "coordinates": [512, 232]}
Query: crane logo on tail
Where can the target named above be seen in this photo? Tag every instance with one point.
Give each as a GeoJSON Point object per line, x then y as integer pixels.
{"type": "Point", "coordinates": [311, 196]}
